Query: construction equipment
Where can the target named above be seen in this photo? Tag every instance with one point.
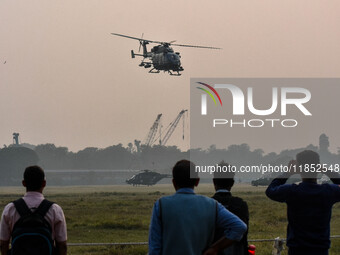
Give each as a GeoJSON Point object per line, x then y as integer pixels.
{"type": "Point", "coordinates": [153, 130]}
{"type": "Point", "coordinates": [151, 137]}
{"type": "Point", "coordinates": [171, 128]}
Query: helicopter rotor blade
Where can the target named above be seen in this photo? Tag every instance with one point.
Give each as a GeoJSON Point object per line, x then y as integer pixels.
{"type": "Point", "coordinates": [141, 40]}
{"type": "Point", "coordinates": [136, 38]}
{"type": "Point", "coordinates": [196, 46]}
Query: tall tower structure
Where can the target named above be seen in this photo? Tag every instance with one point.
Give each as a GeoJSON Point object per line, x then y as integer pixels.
{"type": "Point", "coordinates": [323, 143]}
{"type": "Point", "coordinates": [16, 138]}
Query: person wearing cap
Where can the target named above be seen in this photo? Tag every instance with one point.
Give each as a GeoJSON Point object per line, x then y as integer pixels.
{"type": "Point", "coordinates": [185, 223]}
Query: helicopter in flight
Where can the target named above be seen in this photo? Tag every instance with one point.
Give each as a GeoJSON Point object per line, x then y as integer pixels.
{"type": "Point", "coordinates": [146, 177]}
{"type": "Point", "coordinates": [161, 57]}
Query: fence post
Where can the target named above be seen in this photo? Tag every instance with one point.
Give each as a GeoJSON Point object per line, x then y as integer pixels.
{"type": "Point", "coordinates": [278, 246]}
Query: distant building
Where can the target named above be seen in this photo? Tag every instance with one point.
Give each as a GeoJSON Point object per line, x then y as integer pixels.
{"type": "Point", "coordinates": [323, 144]}
{"type": "Point", "coordinates": [16, 139]}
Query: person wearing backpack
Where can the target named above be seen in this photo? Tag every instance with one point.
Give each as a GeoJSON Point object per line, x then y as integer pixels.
{"type": "Point", "coordinates": [33, 225]}
{"type": "Point", "coordinates": [223, 182]}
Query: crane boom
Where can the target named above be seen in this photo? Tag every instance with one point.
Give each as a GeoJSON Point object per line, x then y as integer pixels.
{"type": "Point", "coordinates": [171, 128]}
{"type": "Point", "coordinates": [149, 140]}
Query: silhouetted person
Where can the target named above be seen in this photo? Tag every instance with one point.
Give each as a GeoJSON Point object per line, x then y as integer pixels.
{"type": "Point", "coordinates": [33, 203]}
{"type": "Point", "coordinates": [309, 205]}
{"type": "Point", "coordinates": [184, 223]}
{"type": "Point", "coordinates": [223, 182]}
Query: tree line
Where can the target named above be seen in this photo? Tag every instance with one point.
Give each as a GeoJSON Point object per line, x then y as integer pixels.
{"type": "Point", "coordinates": [14, 159]}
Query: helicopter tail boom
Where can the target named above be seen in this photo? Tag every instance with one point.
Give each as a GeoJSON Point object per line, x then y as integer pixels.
{"type": "Point", "coordinates": [133, 54]}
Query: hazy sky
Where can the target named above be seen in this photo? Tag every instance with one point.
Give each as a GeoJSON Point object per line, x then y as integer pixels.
{"type": "Point", "coordinates": [68, 81]}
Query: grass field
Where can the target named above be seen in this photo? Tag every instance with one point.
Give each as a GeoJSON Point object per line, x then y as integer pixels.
{"type": "Point", "coordinates": [103, 214]}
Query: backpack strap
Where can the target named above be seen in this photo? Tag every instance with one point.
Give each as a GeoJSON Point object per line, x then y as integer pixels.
{"type": "Point", "coordinates": [23, 210]}
{"type": "Point", "coordinates": [43, 208]}
{"type": "Point", "coordinates": [21, 207]}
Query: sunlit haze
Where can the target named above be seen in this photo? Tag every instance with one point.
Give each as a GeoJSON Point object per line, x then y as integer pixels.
{"type": "Point", "coordinates": [64, 79]}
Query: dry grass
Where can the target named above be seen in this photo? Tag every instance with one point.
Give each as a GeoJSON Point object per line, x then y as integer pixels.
{"type": "Point", "coordinates": [122, 213]}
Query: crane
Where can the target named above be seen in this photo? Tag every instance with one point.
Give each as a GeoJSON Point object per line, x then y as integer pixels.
{"type": "Point", "coordinates": [171, 128]}
{"type": "Point", "coordinates": [149, 140]}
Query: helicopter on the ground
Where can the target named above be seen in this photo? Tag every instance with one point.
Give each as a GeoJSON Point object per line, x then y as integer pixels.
{"type": "Point", "coordinates": [267, 179]}
{"type": "Point", "coordinates": [146, 177]}
{"type": "Point", "coordinates": [161, 57]}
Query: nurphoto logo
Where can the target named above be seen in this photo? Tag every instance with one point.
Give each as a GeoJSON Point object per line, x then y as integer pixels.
{"type": "Point", "coordinates": [280, 98]}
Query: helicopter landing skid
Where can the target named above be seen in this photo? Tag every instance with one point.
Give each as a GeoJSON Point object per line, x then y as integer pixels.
{"type": "Point", "coordinates": [153, 70]}
{"type": "Point", "coordinates": [145, 64]}
{"type": "Point", "coordinates": [175, 74]}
